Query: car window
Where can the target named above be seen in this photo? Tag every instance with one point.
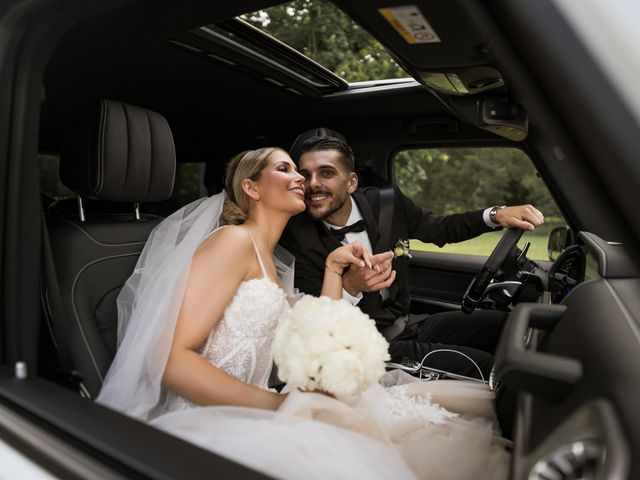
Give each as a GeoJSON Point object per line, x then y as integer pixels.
{"type": "Point", "coordinates": [188, 186]}
{"type": "Point", "coordinates": [454, 180]}
{"type": "Point", "coordinates": [51, 187]}
{"type": "Point", "coordinates": [189, 183]}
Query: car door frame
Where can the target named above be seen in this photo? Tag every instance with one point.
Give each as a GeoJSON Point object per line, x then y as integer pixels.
{"type": "Point", "coordinates": [55, 428]}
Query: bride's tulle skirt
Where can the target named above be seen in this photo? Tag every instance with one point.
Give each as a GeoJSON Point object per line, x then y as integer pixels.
{"type": "Point", "coordinates": [404, 429]}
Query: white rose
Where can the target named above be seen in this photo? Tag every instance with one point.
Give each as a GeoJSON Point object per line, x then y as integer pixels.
{"type": "Point", "coordinates": [329, 345]}
{"type": "Point", "coordinates": [342, 374]}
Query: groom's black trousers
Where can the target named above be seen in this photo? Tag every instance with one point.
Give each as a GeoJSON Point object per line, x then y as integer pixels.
{"type": "Point", "coordinates": [476, 335]}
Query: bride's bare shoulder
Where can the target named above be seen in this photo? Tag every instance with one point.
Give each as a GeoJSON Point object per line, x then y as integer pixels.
{"type": "Point", "coordinates": [226, 253]}
{"type": "Point", "coordinates": [231, 241]}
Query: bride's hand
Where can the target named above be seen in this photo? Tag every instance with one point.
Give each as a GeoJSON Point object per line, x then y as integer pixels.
{"type": "Point", "coordinates": [352, 254]}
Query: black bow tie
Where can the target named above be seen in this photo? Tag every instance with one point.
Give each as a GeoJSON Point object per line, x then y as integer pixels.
{"type": "Point", "coordinates": [339, 233]}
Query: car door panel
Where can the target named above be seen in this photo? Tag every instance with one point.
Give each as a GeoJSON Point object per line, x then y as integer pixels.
{"type": "Point", "coordinates": [73, 437]}
{"type": "Point", "coordinates": [439, 280]}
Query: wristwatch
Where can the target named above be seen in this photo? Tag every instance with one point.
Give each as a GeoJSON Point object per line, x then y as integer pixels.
{"type": "Point", "coordinates": [493, 214]}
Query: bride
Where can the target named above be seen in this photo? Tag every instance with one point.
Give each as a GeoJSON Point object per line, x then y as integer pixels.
{"type": "Point", "coordinates": [196, 322]}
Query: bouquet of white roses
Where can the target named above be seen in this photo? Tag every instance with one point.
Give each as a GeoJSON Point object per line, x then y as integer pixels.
{"type": "Point", "coordinates": [329, 345]}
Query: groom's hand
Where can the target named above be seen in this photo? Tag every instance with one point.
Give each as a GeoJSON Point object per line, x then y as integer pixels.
{"type": "Point", "coordinates": [526, 217]}
{"type": "Point", "coordinates": [365, 279]}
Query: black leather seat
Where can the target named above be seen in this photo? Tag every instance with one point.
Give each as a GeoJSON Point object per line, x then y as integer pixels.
{"type": "Point", "coordinates": [119, 153]}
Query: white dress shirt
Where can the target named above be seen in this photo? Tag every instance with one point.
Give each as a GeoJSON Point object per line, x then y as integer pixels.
{"type": "Point", "coordinates": [362, 237]}
{"type": "Point", "coordinates": [487, 218]}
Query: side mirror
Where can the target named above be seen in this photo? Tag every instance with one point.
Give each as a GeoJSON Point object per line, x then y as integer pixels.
{"type": "Point", "coordinates": [559, 238]}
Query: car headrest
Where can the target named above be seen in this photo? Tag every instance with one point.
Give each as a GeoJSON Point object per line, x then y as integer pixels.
{"type": "Point", "coordinates": [296, 146]}
{"type": "Point", "coordinates": [119, 153]}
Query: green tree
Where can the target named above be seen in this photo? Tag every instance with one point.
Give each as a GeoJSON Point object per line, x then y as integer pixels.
{"type": "Point", "coordinates": [324, 33]}
{"type": "Point", "coordinates": [447, 181]}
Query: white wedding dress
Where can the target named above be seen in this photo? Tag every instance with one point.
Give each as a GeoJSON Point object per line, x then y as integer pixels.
{"type": "Point", "coordinates": [393, 432]}
{"type": "Point", "coordinates": [396, 430]}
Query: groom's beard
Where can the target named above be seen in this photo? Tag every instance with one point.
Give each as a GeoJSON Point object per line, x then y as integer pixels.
{"type": "Point", "coordinates": [335, 205]}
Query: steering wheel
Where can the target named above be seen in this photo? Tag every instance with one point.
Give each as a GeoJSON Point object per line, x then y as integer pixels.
{"type": "Point", "coordinates": [475, 291]}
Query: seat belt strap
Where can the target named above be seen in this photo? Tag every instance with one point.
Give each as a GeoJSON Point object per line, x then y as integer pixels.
{"type": "Point", "coordinates": [385, 214]}
{"type": "Point", "coordinates": [52, 302]}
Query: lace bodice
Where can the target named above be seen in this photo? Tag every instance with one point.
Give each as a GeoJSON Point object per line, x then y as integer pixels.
{"type": "Point", "coordinates": [240, 344]}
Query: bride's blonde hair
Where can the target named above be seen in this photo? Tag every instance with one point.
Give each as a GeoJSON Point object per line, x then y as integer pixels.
{"type": "Point", "coordinates": [246, 165]}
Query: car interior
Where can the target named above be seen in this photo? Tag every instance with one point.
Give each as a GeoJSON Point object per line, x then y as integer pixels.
{"type": "Point", "coordinates": [135, 91]}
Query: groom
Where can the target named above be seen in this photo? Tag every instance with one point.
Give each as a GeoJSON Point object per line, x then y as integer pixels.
{"type": "Point", "coordinates": [338, 213]}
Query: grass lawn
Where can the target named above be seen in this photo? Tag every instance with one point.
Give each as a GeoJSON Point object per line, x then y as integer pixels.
{"type": "Point", "coordinates": [485, 243]}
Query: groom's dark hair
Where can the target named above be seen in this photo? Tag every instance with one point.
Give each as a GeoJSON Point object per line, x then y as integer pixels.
{"type": "Point", "coordinates": [323, 139]}
{"type": "Point", "coordinates": [315, 144]}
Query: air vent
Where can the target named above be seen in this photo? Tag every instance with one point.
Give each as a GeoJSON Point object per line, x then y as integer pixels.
{"type": "Point", "coordinates": [579, 460]}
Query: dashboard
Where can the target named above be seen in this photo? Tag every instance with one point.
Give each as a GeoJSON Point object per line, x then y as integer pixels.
{"type": "Point", "coordinates": [576, 264]}
{"type": "Point", "coordinates": [569, 361]}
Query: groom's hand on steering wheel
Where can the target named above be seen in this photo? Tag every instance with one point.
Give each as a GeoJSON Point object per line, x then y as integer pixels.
{"type": "Point", "coordinates": [365, 279]}
{"type": "Point", "coordinates": [525, 217]}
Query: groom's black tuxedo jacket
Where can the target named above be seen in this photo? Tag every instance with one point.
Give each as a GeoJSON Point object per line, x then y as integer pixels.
{"type": "Point", "coordinates": [310, 242]}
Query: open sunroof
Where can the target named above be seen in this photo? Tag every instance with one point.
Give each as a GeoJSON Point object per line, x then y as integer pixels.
{"type": "Point", "coordinates": [309, 48]}
{"type": "Point", "coordinates": [325, 34]}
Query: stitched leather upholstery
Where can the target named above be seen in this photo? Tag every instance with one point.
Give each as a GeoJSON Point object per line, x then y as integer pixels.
{"type": "Point", "coordinates": [94, 258]}
{"type": "Point", "coordinates": [119, 153]}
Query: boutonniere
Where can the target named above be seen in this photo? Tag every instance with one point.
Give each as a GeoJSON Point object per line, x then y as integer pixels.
{"type": "Point", "coordinates": [401, 249]}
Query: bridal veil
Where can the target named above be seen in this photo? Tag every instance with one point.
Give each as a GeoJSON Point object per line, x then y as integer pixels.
{"type": "Point", "coordinates": [149, 304]}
